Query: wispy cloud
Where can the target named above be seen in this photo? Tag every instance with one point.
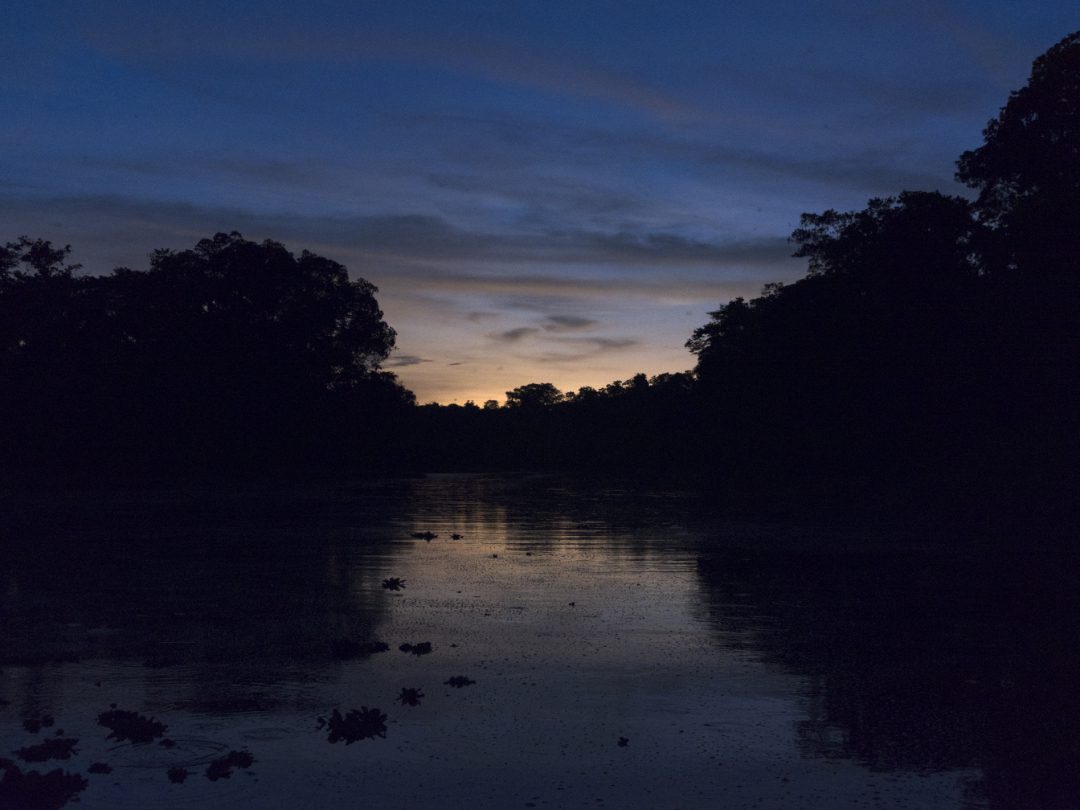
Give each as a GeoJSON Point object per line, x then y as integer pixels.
{"type": "Point", "coordinates": [411, 242]}
{"type": "Point", "coordinates": [506, 63]}
{"type": "Point", "coordinates": [515, 335]}
{"type": "Point", "coordinates": [585, 349]}
{"type": "Point", "coordinates": [567, 323]}
{"type": "Point", "coordinates": [402, 360]}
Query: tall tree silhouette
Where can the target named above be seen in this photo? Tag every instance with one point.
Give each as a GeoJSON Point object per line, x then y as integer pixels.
{"type": "Point", "coordinates": [230, 355]}
{"type": "Point", "coordinates": [1027, 172]}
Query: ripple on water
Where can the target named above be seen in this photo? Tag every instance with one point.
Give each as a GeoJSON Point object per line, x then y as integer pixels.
{"type": "Point", "coordinates": [188, 752]}
{"type": "Point", "coordinates": [266, 734]}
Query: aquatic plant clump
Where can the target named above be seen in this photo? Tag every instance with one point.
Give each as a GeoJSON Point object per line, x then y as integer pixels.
{"type": "Point", "coordinates": [35, 723]}
{"type": "Point", "coordinates": [356, 725]}
{"type": "Point", "coordinates": [100, 767]}
{"type": "Point", "coordinates": [423, 648]}
{"type": "Point", "coordinates": [56, 748]}
{"type": "Point", "coordinates": [128, 725]}
{"type": "Point", "coordinates": [409, 696]}
{"type": "Point", "coordinates": [222, 767]}
{"type": "Point", "coordinates": [393, 583]}
{"type": "Point", "coordinates": [37, 791]}
{"type": "Point", "coordinates": [177, 775]}
{"type": "Point", "coordinates": [343, 648]}
{"type": "Point", "coordinates": [458, 681]}
{"type": "Point", "coordinates": [429, 536]}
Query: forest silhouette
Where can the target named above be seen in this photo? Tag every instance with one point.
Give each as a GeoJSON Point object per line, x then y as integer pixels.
{"type": "Point", "coordinates": [926, 364]}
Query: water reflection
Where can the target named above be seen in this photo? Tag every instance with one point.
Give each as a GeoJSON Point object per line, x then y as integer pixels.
{"type": "Point", "coordinates": [192, 578]}
{"type": "Point", "coordinates": [613, 646]}
{"type": "Point", "coordinates": [918, 661]}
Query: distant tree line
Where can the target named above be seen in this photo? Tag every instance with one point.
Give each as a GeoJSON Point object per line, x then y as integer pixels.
{"type": "Point", "coordinates": [233, 357]}
{"type": "Point", "coordinates": [928, 360]}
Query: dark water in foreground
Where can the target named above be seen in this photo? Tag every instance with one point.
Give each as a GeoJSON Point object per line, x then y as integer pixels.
{"type": "Point", "coordinates": [745, 666]}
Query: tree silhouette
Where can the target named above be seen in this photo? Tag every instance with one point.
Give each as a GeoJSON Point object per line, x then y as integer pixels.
{"type": "Point", "coordinates": [1028, 170]}
{"type": "Point", "coordinates": [230, 355]}
{"type": "Point", "coordinates": [534, 396]}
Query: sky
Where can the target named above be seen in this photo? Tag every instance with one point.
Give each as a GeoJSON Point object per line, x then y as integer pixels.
{"type": "Point", "coordinates": [542, 192]}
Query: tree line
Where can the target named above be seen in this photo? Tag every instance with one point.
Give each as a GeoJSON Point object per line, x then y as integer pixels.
{"type": "Point", "coordinates": [232, 357]}
{"type": "Point", "coordinates": [928, 358]}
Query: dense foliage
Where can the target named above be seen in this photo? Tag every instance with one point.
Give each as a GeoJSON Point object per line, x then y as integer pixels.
{"type": "Point", "coordinates": [231, 356]}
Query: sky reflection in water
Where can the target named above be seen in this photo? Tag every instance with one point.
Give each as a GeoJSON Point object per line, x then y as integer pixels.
{"type": "Point", "coordinates": [747, 670]}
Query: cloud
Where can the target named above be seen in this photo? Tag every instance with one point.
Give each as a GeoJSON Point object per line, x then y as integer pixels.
{"type": "Point", "coordinates": [168, 48]}
{"type": "Point", "coordinates": [400, 360]}
{"type": "Point", "coordinates": [515, 335]}
{"type": "Point", "coordinates": [585, 349]}
{"type": "Point", "coordinates": [416, 246]}
{"type": "Point", "coordinates": [564, 323]}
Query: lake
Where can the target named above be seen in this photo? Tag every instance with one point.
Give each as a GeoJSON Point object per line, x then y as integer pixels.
{"type": "Point", "coordinates": [614, 647]}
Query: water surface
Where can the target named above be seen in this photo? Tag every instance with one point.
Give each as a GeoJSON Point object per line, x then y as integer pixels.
{"type": "Point", "coordinates": [741, 665]}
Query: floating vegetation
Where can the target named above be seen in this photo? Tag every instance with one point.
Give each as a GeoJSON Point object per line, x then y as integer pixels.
{"type": "Point", "coordinates": [177, 775]}
{"type": "Point", "coordinates": [343, 648]}
{"type": "Point", "coordinates": [456, 536]}
{"type": "Point", "coordinates": [35, 723]}
{"type": "Point", "coordinates": [356, 725]}
{"type": "Point", "coordinates": [393, 583]}
{"type": "Point", "coordinates": [623, 742]}
{"type": "Point", "coordinates": [37, 791]}
{"type": "Point", "coordinates": [459, 681]}
{"type": "Point", "coordinates": [222, 767]}
{"type": "Point", "coordinates": [128, 725]}
{"type": "Point", "coordinates": [423, 648]}
{"type": "Point", "coordinates": [429, 536]}
{"type": "Point", "coordinates": [167, 743]}
{"type": "Point", "coordinates": [100, 767]}
{"type": "Point", "coordinates": [409, 696]}
{"type": "Point", "coordinates": [56, 748]}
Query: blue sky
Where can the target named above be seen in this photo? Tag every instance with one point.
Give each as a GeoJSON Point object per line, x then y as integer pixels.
{"type": "Point", "coordinates": [554, 191]}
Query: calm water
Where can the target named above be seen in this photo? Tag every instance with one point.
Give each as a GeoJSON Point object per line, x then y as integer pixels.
{"type": "Point", "coordinates": [744, 666]}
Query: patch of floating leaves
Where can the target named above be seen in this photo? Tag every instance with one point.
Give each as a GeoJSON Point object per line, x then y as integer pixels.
{"type": "Point", "coordinates": [127, 725]}
{"type": "Point", "coordinates": [343, 649]}
{"type": "Point", "coordinates": [37, 791]}
{"type": "Point", "coordinates": [100, 767]}
{"type": "Point", "coordinates": [177, 775]}
{"type": "Point", "coordinates": [423, 648]}
{"type": "Point", "coordinates": [222, 767]}
{"type": "Point", "coordinates": [429, 536]}
{"type": "Point", "coordinates": [56, 748]}
{"type": "Point", "coordinates": [35, 723]}
{"type": "Point", "coordinates": [393, 583]}
{"type": "Point", "coordinates": [356, 725]}
{"type": "Point", "coordinates": [459, 681]}
{"type": "Point", "coordinates": [410, 696]}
